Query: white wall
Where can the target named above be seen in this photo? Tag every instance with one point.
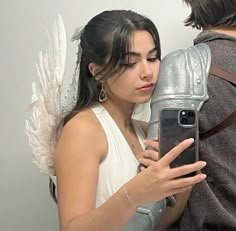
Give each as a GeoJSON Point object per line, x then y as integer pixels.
{"type": "Point", "coordinates": [25, 204]}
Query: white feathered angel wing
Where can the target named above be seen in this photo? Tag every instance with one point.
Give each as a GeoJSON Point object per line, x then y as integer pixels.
{"type": "Point", "coordinates": [46, 107]}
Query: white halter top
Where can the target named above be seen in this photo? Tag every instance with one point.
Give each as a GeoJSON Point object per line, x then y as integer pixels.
{"type": "Point", "coordinates": [120, 164]}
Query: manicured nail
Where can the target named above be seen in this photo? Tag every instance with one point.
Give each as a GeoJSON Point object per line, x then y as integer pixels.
{"type": "Point", "coordinates": [142, 168]}
{"type": "Point", "coordinates": [203, 176]}
{"type": "Point", "coordinates": [204, 163]}
{"type": "Point", "coordinates": [191, 140]}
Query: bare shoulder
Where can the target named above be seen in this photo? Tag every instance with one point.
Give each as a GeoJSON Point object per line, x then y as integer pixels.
{"type": "Point", "coordinates": [80, 149]}
{"type": "Point", "coordinates": [84, 130]}
{"type": "Point", "coordinates": [143, 125]}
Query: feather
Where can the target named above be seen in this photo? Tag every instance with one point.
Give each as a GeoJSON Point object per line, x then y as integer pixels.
{"type": "Point", "coordinates": [46, 101]}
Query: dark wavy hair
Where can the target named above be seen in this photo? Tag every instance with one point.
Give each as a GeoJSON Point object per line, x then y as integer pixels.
{"type": "Point", "coordinates": [104, 41]}
{"type": "Point", "coordinates": [205, 13]}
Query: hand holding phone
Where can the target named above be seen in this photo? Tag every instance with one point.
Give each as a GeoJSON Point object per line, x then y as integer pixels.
{"type": "Point", "coordinates": [176, 125]}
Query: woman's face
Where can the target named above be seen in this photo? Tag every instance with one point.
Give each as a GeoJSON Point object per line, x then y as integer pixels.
{"type": "Point", "coordinates": [136, 83]}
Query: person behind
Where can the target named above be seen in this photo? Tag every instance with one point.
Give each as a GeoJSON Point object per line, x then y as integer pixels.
{"type": "Point", "coordinates": [101, 146]}
{"type": "Point", "coordinates": [212, 204]}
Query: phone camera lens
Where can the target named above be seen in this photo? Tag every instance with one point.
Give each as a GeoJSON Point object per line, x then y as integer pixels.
{"type": "Point", "coordinates": [190, 114]}
{"type": "Point", "coordinates": [184, 121]}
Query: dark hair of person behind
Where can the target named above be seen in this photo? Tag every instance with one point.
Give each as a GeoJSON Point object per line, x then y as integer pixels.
{"type": "Point", "coordinates": [104, 41]}
{"type": "Point", "coordinates": [211, 13]}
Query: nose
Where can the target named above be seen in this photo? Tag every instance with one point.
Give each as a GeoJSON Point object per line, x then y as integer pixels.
{"type": "Point", "coordinates": [146, 70]}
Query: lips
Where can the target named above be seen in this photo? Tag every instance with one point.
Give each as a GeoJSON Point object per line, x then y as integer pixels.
{"type": "Point", "coordinates": [147, 86]}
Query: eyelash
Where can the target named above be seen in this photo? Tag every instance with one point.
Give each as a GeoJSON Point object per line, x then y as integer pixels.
{"type": "Point", "coordinates": [152, 59]}
{"type": "Point", "coordinates": [129, 65]}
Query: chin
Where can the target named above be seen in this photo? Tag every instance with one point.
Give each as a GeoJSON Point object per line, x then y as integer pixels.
{"type": "Point", "coordinates": [142, 101]}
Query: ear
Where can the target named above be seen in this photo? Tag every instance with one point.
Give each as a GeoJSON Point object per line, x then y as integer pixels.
{"type": "Point", "coordinates": [92, 68]}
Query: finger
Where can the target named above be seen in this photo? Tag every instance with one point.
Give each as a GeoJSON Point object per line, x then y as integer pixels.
{"type": "Point", "coordinates": [180, 190]}
{"type": "Point", "coordinates": [187, 181]}
{"type": "Point", "coordinates": [151, 144]}
{"type": "Point", "coordinates": [149, 154]}
{"type": "Point", "coordinates": [146, 162]}
{"type": "Point", "coordinates": [186, 169]}
{"type": "Point", "coordinates": [174, 152]}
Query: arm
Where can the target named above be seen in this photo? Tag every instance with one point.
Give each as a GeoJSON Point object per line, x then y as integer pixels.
{"type": "Point", "coordinates": [78, 155]}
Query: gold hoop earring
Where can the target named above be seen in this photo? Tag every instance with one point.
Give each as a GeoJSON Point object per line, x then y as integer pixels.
{"type": "Point", "coordinates": [102, 95]}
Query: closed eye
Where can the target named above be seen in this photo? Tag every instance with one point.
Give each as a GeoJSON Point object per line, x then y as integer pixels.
{"type": "Point", "coordinates": [152, 59]}
{"type": "Point", "coordinates": [127, 65]}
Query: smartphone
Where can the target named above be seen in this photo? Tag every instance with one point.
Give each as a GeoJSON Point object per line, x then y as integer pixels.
{"type": "Point", "coordinates": [176, 125]}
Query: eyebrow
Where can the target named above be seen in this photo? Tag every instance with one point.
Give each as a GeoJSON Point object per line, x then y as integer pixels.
{"type": "Point", "coordinates": [138, 54]}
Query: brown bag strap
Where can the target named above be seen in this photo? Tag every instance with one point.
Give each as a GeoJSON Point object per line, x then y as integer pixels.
{"type": "Point", "coordinates": [219, 127]}
{"type": "Point", "coordinates": [232, 117]}
{"type": "Point", "coordinates": [222, 74]}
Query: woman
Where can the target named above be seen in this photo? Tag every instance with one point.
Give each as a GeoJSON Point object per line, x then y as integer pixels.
{"type": "Point", "coordinates": [101, 146]}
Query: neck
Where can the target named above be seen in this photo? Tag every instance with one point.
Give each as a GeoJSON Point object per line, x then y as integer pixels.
{"type": "Point", "coordinates": [227, 30]}
{"type": "Point", "coordinates": [121, 112]}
